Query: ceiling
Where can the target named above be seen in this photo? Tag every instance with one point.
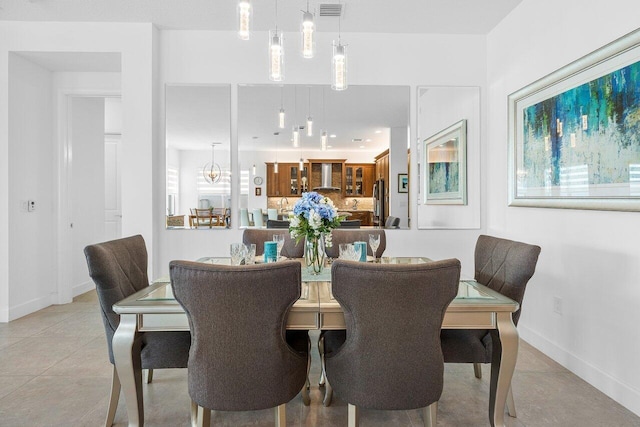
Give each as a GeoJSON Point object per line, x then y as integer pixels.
{"type": "Point", "coordinates": [370, 16]}
{"type": "Point", "coordinates": [353, 114]}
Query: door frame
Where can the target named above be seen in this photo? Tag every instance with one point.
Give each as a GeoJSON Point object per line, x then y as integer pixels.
{"type": "Point", "coordinates": [63, 292]}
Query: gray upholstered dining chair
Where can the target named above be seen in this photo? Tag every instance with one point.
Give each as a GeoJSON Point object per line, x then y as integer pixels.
{"type": "Point", "coordinates": [506, 267]}
{"type": "Point", "coordinates": [278, 223]}
{"type": "Point", "coordinates": [242, 357]}
{"type": "Point", "coordinates": [118, 269]}
{"type": "Point", "coordinates": [392, 222]}
{"type": "Point", "coordinates": [291, 249]}
{"type": "Point", "coordinates": [390, 359]}
{"type": "Point", "coordinates": [350, 223]}
{"type": "Point", "coordinates": [340, 235]}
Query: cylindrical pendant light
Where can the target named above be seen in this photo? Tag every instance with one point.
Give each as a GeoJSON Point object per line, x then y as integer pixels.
{"type": "Point", "coordinates": [275, 167]}
{"type": "Point", "coordinates": [301, 163]}
{"type": "Point", "coordinates": [307, 30]}
{"type": "Point", "coordinates": [281, 112]}
{"type": "Point", "coordinates": [296, 136]}
{"type": "Point", "coordinates": [309, 118]}
{"type": "Point", "coordinates": [244, 19]}
{"type": "Point", "coordinates": [339, 67]}
{"type": "Point", "coordinates": [276, 56]}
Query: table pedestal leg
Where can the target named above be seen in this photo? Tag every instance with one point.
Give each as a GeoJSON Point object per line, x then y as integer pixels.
{"type": "Point", "coordinates": [503, 363]}
{"type": "Point", "coordinates": [126, 352]}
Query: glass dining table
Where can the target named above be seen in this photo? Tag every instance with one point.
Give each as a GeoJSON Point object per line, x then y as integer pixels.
{"type": "Point", "coordinates": [155, 309]}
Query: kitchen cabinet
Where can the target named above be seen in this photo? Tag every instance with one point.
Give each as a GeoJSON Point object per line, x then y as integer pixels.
{"type": "Point", "coordinates": [365, 217]}
{"type": "Point", "coordinates": [358, 180]}
{"type": "Point", "coordinates": [289, 181]}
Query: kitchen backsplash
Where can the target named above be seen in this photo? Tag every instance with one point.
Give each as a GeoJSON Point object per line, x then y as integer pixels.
{"type": "Point", "coordinates": [342, 203]}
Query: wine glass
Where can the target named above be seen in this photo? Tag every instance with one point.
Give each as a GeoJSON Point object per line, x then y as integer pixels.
{"type": "Point", "coordinates": [374, 242]}
{"type": "Point", "coordinates": [279, 239]}
{"type": "Point", "coordinates": [238, 252]}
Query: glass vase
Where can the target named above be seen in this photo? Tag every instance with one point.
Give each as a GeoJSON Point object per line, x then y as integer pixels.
{"type": "Point", "coordinates": [314, 254]}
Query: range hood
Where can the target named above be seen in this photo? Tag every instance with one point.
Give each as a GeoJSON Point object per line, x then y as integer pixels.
{"type": "Point", "coordinates": [326, 179]}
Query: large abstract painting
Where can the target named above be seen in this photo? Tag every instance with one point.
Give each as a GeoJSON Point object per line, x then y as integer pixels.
{"type": "Point", "coordinates": [447, 165]}
{"type": "Point", "coordinates": [575, 135]}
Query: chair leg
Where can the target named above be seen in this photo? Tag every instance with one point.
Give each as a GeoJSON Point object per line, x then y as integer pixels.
{"type": "Point", "coordinates": [328, 391]}
{"type": "Point", "coordinates": [113, 398]}
{"type": "Point", "coordinates": [511, 405]}
{"type": "Point", "coordinates": [353, 416]}
{"type": "Point", "coordinates": [148, 376]}
{"type": "Point", "coordinates": [429, 415]}
{"type": "Point", "coordinates": [281, 415]}
{"type": "Point", "coordinates": [194, 414]}
{"type": "Point", "coordinates": [321, 352]}
{"type": "Point", "coordinates": [477, 369]}
{"type": "Point", "coordinates": [204, 417]}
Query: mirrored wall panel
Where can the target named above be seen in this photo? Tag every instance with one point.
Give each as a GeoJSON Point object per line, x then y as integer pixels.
{"type": "Point", "coordinates": [449, 158]}
{"type": "Point", "coordinates": [198, 174]}
{"type": "Point", "coordinates": [351, 146]}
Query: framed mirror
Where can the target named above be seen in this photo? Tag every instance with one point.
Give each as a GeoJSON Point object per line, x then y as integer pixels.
{"type": "Point", "coordinates": [198, 172]}
{"type": "Point", "coordinates": [449, 158]}
{"type": "Point", "coordinates": [357, 165]}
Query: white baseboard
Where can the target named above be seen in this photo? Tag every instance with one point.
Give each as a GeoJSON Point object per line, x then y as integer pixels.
{"type": "Point", "coordinates": [612, 387]}
{"type": "Point", "coordinates": [28, 307]}
{"type": "Point", "coordinates": [82, 288]}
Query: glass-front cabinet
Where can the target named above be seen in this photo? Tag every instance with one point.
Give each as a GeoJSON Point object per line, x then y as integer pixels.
{"type": "Point", "coordinates": [358, 180]}
{"type": "Point", "coordinates": [289, 181]}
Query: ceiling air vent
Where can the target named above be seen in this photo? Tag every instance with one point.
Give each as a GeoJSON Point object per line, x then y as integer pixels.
{"type": "Point", "coordinates": [330, 9]}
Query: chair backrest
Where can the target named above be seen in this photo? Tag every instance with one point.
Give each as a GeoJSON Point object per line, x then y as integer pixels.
{"type": "Point", "coordinates": [392, 357]}
{"type": "Point", "coordinates": [278, 223]}
{"type": "Point", "coordinates": [258, 219]}
{"type": "Point", "coordinates": [392, 222]}
{"type": "Point", "coordinates": [259, 236]}
{"type": "Point", "coordinates": [239, 359]}
{"type": "Point", "coordinates": [118, 269]}
{"type": "Point", "coordinates": [244, 217]}
{"type": "Point", "coordinates": [350, 223]}
{"type": "Point", "coordinates": [272, 213]}
{"type": "Point", "coordinates": [505, 266]}
{"type": "Point", "coordinates": [340, 235]}
{"type": "Point", "coordinates": [204, 213]}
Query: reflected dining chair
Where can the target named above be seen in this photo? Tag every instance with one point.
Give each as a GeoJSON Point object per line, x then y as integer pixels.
{"type": "Point", "coordinates": [340, 235]}
{"type": "Point", "coordinates": [242, 357]}
{"type": "Point", "coordinates": [291, 249]}
{"type": "Point", "coordinates": [506, 267]}
{"type": "Point", "coordinates": [118, 269]}
{"type": "Point", "coordinates": [389, 358]}
{"type": "Point", "coordinates": [350, 223]}
{"type": "Point", "coordinates": [392, 222]}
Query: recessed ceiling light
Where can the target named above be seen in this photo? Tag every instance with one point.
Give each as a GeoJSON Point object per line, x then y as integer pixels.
{"type": "Point", "coordinates": [333, 135]}
{"type": "Point", "coordinates": [368, 140]}
{"type": "Point", "coordinates": [362, 146]}
{"type": "Point", "coordinates": [329, 146]}
{"type": "Point", "coordinates": [378, 131]}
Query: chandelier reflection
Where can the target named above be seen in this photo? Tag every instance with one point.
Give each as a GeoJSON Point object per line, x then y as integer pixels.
{"type": "Point", "coordinates": [211, 171]}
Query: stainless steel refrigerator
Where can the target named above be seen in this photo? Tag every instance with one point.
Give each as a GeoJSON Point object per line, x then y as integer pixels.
{"type": "Point", "coordinates": [379, 214]}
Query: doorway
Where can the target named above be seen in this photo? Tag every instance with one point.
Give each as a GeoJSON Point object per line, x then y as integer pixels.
{"type": "Point", "coordinates": [92, 180]}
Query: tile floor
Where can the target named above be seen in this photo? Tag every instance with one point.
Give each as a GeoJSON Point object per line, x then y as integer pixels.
{"type": "Point", "coordinates": [54, 371]}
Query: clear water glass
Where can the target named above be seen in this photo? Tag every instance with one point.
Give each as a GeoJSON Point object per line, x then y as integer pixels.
{"type": "Point", "coordinates": [349, 251]}
{"type": "Point", "coordinates": [374, 242]}
{"type": "Point", "coordinates": [238, 252]}
{"type": "Point", "coordinates": [250, 257]}
{"type": "Point", "coordinates": [279, 239]}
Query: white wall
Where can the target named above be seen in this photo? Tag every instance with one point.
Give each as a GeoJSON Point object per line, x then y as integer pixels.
{"type": "Point", "coordinates": [135, 43]}
{"type": "Point", "coordinates": [202, 57]}
{"type": "Point", "coordinates": [398, 202]}
{"type": "Point", "coordinates": [31, 148]}
{"type": "Point", "coordinates": [589, 259]}
{"type": "Point", "coordinates": [87, 188]}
